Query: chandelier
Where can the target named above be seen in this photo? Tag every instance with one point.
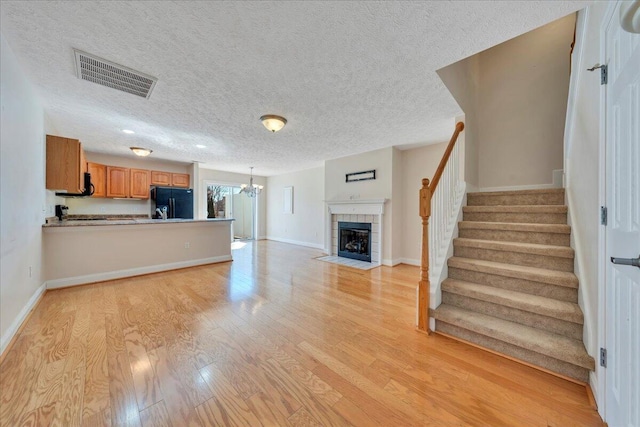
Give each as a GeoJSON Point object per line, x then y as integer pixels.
{"type": "Point", "coordinates": [252, 189]}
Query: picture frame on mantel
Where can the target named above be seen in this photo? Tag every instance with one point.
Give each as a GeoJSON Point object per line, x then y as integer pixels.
{"type": "Point", "coordinates": [288, 200]}
{"type": "Point", "coordinates": [360, 176]}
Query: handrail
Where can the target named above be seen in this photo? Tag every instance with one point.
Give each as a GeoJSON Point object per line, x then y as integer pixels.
{"type": "Point", "coordinates": [426, 193]}
{"type": "Point", "coordinates": [445, 157]}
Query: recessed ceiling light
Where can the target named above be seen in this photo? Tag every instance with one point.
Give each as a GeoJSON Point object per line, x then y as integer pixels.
{"type": "Point", "coordinates": [201, 146]}
{"type": "Point", "coordinates": [128, 131]}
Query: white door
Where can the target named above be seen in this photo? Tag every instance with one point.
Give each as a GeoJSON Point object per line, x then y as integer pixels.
{"type": "Point", "coordinates": [622, 303]}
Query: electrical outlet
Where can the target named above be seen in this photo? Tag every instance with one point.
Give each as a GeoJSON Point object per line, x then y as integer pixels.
{"type": "Point", "coordinates": [187, 245]}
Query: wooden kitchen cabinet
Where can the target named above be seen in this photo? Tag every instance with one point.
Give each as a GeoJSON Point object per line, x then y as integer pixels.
{"type": "Point", "coordinates": [180, 180]}
{"type": "Point", "coordinates": [117, 182]}
{"type": "Point", "coordinates": [66, 164]}
{"type": "Point", "coordinates": [161, 178]}
{"type": "Point", "coordinates": [98, 178]}
{"type": "Point", "coordinates": [140, 180]}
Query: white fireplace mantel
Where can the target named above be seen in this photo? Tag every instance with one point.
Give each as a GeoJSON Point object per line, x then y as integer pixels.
{"type": "Point", "coordinates": [357, 206]}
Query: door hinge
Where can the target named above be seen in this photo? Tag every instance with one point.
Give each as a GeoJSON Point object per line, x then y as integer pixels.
{"type": "Point", "coordinates": [603, 215]}
{"type": "Point", "coordinates": [603, 357]}
{"type": "Point", "coordinates": [604, 75]}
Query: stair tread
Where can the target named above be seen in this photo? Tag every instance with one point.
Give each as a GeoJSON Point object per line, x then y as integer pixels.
{"type": "Point", "coordinates": [550, 307]}
{"type": "Point", "coordinates": [549, 344]}
{"type": "Point", "coordinates": [516, 226]}
{"type": "Point", "coordinates": [528, 248]}
{"type": "Point", "coordinates": [554, 277]}
{"type": "Point", "coordinates": [520, 192]}
{"type": "Point", "coordinates": [517, 208]}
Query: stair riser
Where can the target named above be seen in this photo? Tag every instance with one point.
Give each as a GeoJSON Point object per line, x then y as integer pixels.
{"type": "Point", "coordinates": [531, 218]}
{"type": "Point", "coordinates": [556, 239]}
{"type": "Point", "coordinates": [539, 321]}
{"type": "Point", "coordinates": [537, 359]}
{"type": "Point", "coordinates": [479, 199]}
{"type": "Point", "coordinates": [515, 258]}
{"type": "Point", "coordinates": [561, 293]}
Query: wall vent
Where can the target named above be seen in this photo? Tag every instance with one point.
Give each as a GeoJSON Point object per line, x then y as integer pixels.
{"type": "Point", "coordinates": [106, 73]}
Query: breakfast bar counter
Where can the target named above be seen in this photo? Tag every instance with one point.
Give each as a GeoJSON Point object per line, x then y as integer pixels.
{"type": "Point", "coordinates": [79, 252]}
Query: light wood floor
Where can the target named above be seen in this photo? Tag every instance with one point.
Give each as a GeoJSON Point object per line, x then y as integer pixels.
{"type": "Point", "coordinates": [275, 338]}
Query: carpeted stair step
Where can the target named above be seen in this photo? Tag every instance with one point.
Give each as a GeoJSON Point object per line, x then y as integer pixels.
{"type": "Point", "coordinates": [530, 254]}
{"type": "Point", "coordinates": [543, 234]}
{"type": "Point", "coordinates": [553, 196]}
{"type": "Point", "coordinates": [542, 214]}
{"type": "Point", "coordinates": [559, 285]}
{"type": "Point", "coordinates": [550, 351]}
{"type": "Point", "coordinates": [560, 317]}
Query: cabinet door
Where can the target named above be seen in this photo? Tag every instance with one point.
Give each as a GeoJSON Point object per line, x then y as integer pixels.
{"type": "Point", "coordinates": [140, 179]}
{"type": "Point", "coordinates": [83, 168]}
{"type": "Point", "coordinates": [117, 181]}
{"type": "Point", "coordinates": [64, 164]}
{"type": "Point", "coordinates": [161, 178]}
{"type": "Point", "coordinates": [98, 178]}
{"type": "Point", "coordinates": [180, 180]}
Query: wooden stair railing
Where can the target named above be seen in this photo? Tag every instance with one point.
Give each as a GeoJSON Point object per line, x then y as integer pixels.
{"type": "Point", "coordinates": [426, 193]}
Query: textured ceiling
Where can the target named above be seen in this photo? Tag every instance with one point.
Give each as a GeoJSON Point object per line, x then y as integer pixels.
{"type": "Point", "coordinates": [350, 77]}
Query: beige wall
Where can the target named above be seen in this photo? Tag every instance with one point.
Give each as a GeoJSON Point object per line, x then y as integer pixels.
{"type": "Point", "coordinates": [22, 194]}
{"type": "Point", "coordinates": [417, 163]}
{"type": "Point", "coordinates": [94, 253]}
{"type": "Point", "coordinates": [514, 96]}
{"type": "Point", "coordinates": [230, 178]}
{"type": "Point", "coordinates": [306, 225]}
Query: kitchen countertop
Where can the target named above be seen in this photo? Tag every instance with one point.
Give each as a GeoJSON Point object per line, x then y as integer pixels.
{"type": "Point", "coordinates": [133, 221]}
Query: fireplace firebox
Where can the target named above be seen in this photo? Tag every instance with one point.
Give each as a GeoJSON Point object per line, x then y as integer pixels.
{"type": "Point", "coordinates": [354, 240]}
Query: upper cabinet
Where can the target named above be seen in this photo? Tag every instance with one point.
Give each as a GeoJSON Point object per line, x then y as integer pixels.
{"type": "Point", "coordinates": [66, 164]}
{"type": "Point", "coordinates": [161, 178]}
{"type": "Point", "coordinates": [140, 180]}
{"type": "Point", "coordinates": [98, 178]}
{"type": "Point", "coordinates": [117, 182]}
{"type": "Point", "coordinates": [180, 180]}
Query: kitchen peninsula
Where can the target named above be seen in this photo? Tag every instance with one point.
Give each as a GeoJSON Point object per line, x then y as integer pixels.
{"type": "Point", "coordinates": [81, 252]}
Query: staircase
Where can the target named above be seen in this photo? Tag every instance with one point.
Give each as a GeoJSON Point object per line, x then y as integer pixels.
{"type": "Point", "coordinates": [511, 287]}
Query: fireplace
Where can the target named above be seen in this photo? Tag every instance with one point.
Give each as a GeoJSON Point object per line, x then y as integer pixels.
{"type": "Point", "coordinates": [354, 240]}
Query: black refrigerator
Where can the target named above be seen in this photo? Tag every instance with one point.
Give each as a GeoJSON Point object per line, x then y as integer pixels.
{"type": "Point", "coordinates": [177, 201]}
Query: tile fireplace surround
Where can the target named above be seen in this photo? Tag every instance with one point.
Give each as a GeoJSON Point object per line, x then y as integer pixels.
{"type": "Point", "coordinates": [359, 210]}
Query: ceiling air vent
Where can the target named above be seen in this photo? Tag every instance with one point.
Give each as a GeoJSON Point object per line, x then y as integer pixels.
{"type": "Point", "coordinates": [106, 73]}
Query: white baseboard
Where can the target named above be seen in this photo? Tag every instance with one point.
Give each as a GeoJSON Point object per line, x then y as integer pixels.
{"type": "Point", "coordinates": [262, 237]}
{"type": "Point", "coordinates": [130, 272]}
{"type": "Point", "coordinates": [297, 242]}
{"type": "Point", "coordinates": [15, 326]}
{"type": "Point", "coordinates": [391, 262]}
{"type": "Point", "coordinates": [410, 261]}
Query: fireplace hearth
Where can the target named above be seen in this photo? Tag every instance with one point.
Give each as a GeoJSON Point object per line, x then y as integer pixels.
{"type": "Point", "coordinates": [354, 240]}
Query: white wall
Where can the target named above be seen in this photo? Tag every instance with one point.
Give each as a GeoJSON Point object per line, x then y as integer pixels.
{"type": "Point", "coordinates": [382, 187]}
{"type": "Point", "coordinates": [306, 225]}
{"type": "Point", "coordinates": [230, 178]}
{"type": "Point", "coordinates": [514, 96]}
{"type": "Point", "coordinates": [23, 199]}
{"type": "Point", "coordinates": [88, 205]}
{"type": "Point", "coordinates": [417, 163]}
{"type": "Point", "coordinates": [582, 163]}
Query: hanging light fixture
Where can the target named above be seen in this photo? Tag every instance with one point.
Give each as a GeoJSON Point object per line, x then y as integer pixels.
{"type": "Point", "coordinates": [251, 190]}
{"type": "Point", "coordinates": [139, 151]}
{"type": "Point", "coordinates": [272, 122]}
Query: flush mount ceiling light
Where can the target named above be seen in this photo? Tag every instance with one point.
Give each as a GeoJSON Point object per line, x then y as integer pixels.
{"type": "Point", "coordinates": [251, 190]}
{"type": "Point", "coordinates": [272, 122]}
{"type": "Point", "coordinates": [201, 146]}
{"type": "Point", "coordinates": [127, 131]}
{"type": "Point", "coordinates": [142, 152]}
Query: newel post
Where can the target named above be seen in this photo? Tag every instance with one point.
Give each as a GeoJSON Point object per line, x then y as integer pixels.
{"type": "Point", "coordinates": [424, 287]}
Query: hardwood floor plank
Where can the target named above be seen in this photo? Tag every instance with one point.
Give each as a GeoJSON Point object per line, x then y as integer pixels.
{"type": "Point", "coordinates": [273, 338]}
{"type": "Point", "coordinates": [155, 416]}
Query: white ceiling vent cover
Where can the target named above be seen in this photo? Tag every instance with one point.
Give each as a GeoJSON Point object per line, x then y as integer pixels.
{"type": "Point", "coordinates": [106, 73]}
